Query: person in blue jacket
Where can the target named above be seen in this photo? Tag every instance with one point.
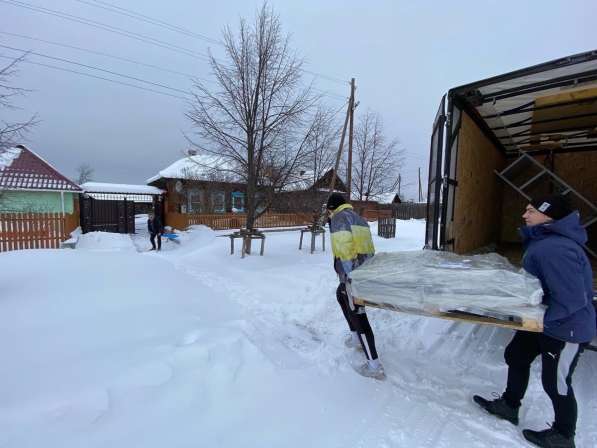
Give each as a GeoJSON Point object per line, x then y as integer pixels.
{"type": "Point", "coordinates": [553, 239]}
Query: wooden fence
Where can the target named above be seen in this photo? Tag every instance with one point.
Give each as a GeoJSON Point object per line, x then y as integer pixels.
{"type": "Point", "coordinates": [409, 210]}
{"type": "Point", "coordinates": [35, 230]}
{"type": "Point", "coordinates": [226, 221]}
{"type": "Point", "coordinates": [375, 214]}
{"type": "Point", "coordinates": [386, 227]}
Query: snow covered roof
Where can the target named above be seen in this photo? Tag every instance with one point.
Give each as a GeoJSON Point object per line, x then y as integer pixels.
{"type": "Point", "coordinates": [23, 169]}
{"type": "Point", "coordinates": [301, 181]}
{"type": "Point", "coordinates": [385, 198]}
{"type": "Point", "coordinates": [199, 167]}
{"type": "Point", "coordinates": [103, 187]}
{"type": "Point", "coordinates": [305, 180]}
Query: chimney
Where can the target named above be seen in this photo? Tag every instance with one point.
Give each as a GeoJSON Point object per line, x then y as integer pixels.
{"type": "Point", "coordinates": [192, 152]}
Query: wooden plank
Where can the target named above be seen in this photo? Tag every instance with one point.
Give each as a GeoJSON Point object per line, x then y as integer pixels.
{"type": "Point", "coordinates": [58, 219]}
{"type": "Point", "coordinates": [30, 229]}
{"type": "Point", "coordinates": [14, 230]}
{"type": "Point", "coordinates": [22, 234]}
{"type": "Point", "coordinates": [39, 229]}
{"type": "Point", "coordinates": [51, 228]}
{"type": "Point", "coordinates": [8, 228]}
{"type": "Point", "coordinates": [526, 324]}
{"type": "Point", "coordinates": [7, 233]}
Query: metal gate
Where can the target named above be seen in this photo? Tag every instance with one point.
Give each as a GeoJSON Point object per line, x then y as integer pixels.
{"type": "Point", "coordinates": [98, 215]}
{"type": "Point", "coordinates": [435, 178]}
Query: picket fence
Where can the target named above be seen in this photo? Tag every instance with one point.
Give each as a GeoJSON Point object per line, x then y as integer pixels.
{"type": "Point", "coordinates": [35, 230]}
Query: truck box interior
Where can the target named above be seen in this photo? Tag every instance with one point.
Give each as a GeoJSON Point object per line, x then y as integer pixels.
{"type": "Point", "coordinates": [476, 194]}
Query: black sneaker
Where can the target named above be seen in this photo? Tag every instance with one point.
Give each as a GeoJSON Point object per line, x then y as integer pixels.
{"type": "Point", "coordinates": [499, 408]}
{"type": "Point", "coordinates": [548, 438]}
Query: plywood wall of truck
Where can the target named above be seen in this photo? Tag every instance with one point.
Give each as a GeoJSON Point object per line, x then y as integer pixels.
{"type": "Point", "coordinates": [580, 171]}
{"type": "Point", "coordinates": [477, 206]}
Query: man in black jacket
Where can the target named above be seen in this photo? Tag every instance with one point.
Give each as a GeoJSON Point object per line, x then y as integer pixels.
{"type": "Point", "coordinates": [155, 227]}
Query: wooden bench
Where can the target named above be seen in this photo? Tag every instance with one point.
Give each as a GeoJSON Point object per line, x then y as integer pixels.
{"type": "Point", "coordinates": [246, 236]}
{"type": "Point", "coordinates": [314, 231]}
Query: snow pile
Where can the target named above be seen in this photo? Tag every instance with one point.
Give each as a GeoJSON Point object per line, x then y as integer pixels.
{"type": "Point", "coordinates": [71, 243]}
{"type": "Point", "coordinates": [8, 156]}
{"type": "Point", "coordinates": [193, 239]}
{"type": "Point", "coordinates": [105, 241]}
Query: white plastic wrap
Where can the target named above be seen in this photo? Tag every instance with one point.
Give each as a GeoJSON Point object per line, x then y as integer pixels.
{"type": "Point", "coordinates": [433, 281]}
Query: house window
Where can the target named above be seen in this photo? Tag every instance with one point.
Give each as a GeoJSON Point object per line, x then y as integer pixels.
{"type": "Point", "coordinates": [238, 202]}
{"type": "Point", "coordinates": [194, 201]}
{"type": "Point", "coordinates": [218, 200]}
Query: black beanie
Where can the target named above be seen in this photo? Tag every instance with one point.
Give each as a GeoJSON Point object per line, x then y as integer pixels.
{"type": "Point", "coordinates": [335, 201]}
{"type": "Point", "coordinates": [556, 206]}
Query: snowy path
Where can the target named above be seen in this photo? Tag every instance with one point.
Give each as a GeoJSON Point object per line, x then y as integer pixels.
{"type": "Point", "coordinates": [193, 347]}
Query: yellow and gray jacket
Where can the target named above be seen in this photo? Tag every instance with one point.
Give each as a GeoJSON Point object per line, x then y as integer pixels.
{"type": "Point", "coordinates": [351, 240]}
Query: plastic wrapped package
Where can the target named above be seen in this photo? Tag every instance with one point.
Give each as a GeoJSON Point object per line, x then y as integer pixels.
{"type": "Point", "coordinates": [432, 282]}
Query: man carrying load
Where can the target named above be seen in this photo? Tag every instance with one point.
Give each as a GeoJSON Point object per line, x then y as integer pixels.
{"type": "Point", "coordinates": [553, 240]}
{"type": "Point", "coordinates": [352, 245]}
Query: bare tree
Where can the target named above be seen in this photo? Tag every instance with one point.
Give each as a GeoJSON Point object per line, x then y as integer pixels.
{"type": "Point", "coordinates": [12, 132]}
{"type": "Point", "coordinates": [376, 161]}
{"type": "Point", "coordinates": [84, 173]}
{"type": "Point", "coordinates": [254, 120]}
{"type": "Point", "coordinates": [321, 143]}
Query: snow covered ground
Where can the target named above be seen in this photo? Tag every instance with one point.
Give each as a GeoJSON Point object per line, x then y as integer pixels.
{"type": "Point", "coordinates": [110, 345]}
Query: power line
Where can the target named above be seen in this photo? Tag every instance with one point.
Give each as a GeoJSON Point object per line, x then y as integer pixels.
{"type": "Point", "coordinates": [98, 77]}
{"type": "Point", "coordinates": [109, 28]}
{"type": "Point", "coordinates": [91, 67]}
{"type": "Point", "coordinates": [132, 35]}
{"type": "Point", "coordinates": [68, 61]}
{"type": "Point", "coordinates": [101, 53]}
{"type": "Point", "coordinates": [147, 19]}
{"type": "Point", "coordinates": [329, 78]}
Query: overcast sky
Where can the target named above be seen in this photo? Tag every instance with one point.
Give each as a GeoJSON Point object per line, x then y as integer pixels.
{"type": "Point", "coordinates": [404, 55]}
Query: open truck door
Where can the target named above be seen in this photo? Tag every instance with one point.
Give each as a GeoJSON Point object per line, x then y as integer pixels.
{"type": "Point", "coordinates": [434, 184]}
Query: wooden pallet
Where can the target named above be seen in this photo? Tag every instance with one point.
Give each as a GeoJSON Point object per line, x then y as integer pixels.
{"type": "Point", "coordinates": [520, 324]}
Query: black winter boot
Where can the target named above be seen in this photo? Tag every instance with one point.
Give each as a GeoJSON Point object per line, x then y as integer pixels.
{"type": "Point", "coordinates": [549, 438]}
{"type": "Point", "coordinates": [498, 407]}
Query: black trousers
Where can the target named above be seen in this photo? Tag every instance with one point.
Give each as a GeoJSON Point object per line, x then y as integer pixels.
{"type": "Point", "coordinates": [558, 360]}
{"type": "Point", "coordinates": [357, 321]}
{"type": "Point", "coordinates": [152, 239]}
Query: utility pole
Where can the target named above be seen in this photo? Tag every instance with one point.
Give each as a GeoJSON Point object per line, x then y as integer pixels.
{"type": "Point", "coordinates": [321, 221]}
{"type": "Point", "coordinates": [399, 182]}
{"type": "Point", "coordinates": [339, 153]}
{"type": "Point", "coordinates": [420, 187]}
{"type": "Point", "coordinates": [350, 137]}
